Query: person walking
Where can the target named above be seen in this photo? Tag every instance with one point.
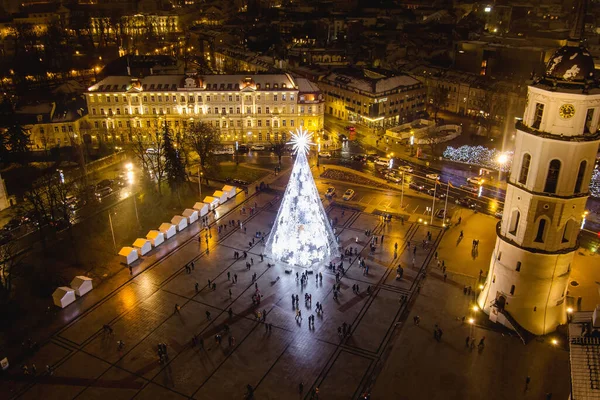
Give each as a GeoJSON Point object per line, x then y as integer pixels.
{"type": "Point", "coordinates": [228, 275]}
{"type": "Point", "coordinates": [527, 382]}
{"type": "Point", "coordinates": [229, 293]}
{"type": "Point", "coordinates": [481, 344]}
{"type": "Point", "coordinates": [197, 287]}
{"type": "Point", "coordinates": [208, 315]}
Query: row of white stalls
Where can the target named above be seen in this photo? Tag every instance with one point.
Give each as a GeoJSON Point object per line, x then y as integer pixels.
{"type": "Point", "coordinates": [65, 295]}
{"type": "Point", "coordinates": [178, 223]}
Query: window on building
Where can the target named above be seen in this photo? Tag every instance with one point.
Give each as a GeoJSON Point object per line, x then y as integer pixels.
{"type": "Point", "coordinates": [268, 136]}
{"type": "Point", "coordinates": [93, 111]}
{"type": "Point", "coordinates": [518, 266]}
{"type": "Point", "coordinates": [552, 177]}
{"type": "Point", "coordinates": [108, 99]}
{"type": "Point", "coordinates": [237, 110]}
{"type": "Point", "coordinates": [116, 99]}
{"type": "Point", "coordinates": [268, 122]}
{"type": "Point", "coordinates": [120, 124]}
{"type": "Point", "coordinates": [259, 123]}
{"type": "Point", "coordinates": [267, 110]}
{"type": "Point", "coordinates": [249, 123]}
{"type": "Point", "coordinates": [274, 97]}
{"type": "Point", "coordinates": [292, 97]}
{"type": "Point", "coordinates": [237, 97]}
{"type": "Point", "coordinates": [145, 99]}
{"type": "Point", "coordinates": [223, 110]}
{"type": "Point", "coordinates": [568, 231]}
{"type": "Point", "coordinates": [230, 110]}
{"type": "Point", "coordinates": [283, 96]}
{"type": "Point", "coordinates": [537, 117]}
{"type": "Point", "coordinates": [580, 175]}
{"type": "Point", "coordinates": [283, 136]}
{"type": "Point", "coordinates": [96, 124]}
{"type": "Point", "coordinates": [260, 136]}
{"type": "Point", "coordinates": [291, 122]}
{"type": "Point", "coordinates": [248, 110]}
{"type": "Point", "coordinates": [283, 122]}
{"type": "Point", "coordinates": [230, 98]}
{"type": "Point", "coordinates": [239, 123]}
{"type": "Point", "coordinates": [589, 116]}
{"type": "Point", "coordinates": [102, 111]}
{"type": "Point", "coordinates": [207, 99]}
{"type": "Point", "coordinates": [216, 110]}
{"type": "Point", "coordinates": [539, 237]}
{"type": "Point", "coordinates": [259, 110]}
{"type": "Point", "coordinates": [512, 290]}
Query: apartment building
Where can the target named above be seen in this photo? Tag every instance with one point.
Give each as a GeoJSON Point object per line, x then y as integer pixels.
{"type": "Point", "coordinates": [374, 97]}
{"type": "Point", "coordinates": [245, 108]}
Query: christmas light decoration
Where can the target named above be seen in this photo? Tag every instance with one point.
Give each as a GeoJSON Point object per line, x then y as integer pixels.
{"type": "Point", "coordinates": [301, 234]}
{"type": "Point", "coordinates": [482, 156]}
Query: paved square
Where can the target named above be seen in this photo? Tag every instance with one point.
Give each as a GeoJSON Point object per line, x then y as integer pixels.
{"type": "Point", "coordinates": [88, 365]}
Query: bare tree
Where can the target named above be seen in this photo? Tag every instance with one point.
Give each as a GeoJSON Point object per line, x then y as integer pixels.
{"type": "Point", "coordinates": [11, 267]}
{"type": "Point", "coordinates": [149, 150]}
{"type": "Point", "coordinates": [439, 100]}
{"type": "Point", "coordinates": [278, 148]}
{"type": "Point", "coordinates": [203, 139]}
{"type": "Point", "coordinates": [494, 110]}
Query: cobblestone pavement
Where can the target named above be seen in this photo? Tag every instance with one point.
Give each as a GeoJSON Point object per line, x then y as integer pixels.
{"type": "Point", "coordinates": [86, 363]}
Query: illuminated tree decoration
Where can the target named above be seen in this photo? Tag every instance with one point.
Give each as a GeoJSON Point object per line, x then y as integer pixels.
{"type": "Point", "coordinates": [301, 234]}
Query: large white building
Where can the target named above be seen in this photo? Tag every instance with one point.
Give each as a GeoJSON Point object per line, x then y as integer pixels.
{"type": "Point", "coordinates": [246, 108]}
{"type": "Point", "coordinates": [555, 150]}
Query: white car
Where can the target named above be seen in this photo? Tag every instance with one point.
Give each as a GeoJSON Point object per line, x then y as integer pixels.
{"type": "Point", "coordinates": [224, 150]}
{"type": "Point", "coordinates": [257, 147]}
{"type": "Point", "coordinates": [476, 180]}
{"type": "Point", "coordinates": [330, 192]}
{"type": "Point", "coordinates": [393, 177]}
{"type": "Point", "coordinates": [348, 195]}
{"type": "Point", "coordinates": [435, 177]}
{"type": "Point", "coordinates": [325, 154]}
{"type": "Point", "coordinates": [382, 161]}
{"type": "Point", "coordinates": [406, 168]}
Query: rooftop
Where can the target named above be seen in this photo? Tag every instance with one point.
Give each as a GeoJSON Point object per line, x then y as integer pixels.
{"type": "Point", "coordinates": [370, 80]}
{"type": "Point", "coordinates": [163, 83]}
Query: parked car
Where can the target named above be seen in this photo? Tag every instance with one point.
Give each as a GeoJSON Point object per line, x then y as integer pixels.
{"type": "Point", "coordinates": [393, 177]}
{"type": "Point", "coordinates": [438, 193]}
{"type": "Point", "coordinates": [240, 182]}
{"type": "Point", "coordinates": [223, 151]}
{"type": "Point", "coordinates": [349, 194]}
{"type": "Point", "coordinates": [258, 147]}
{"type": "Point", "coordinates": [325, 154]}
{"type": "Point", "coordinates": [414, 186]}
{"type": "Point", "coordinates": [476, 180]}
{"type": "Point", "coordinates": [372, 157]}
{"type": "Point", "coordinates": [14, 223]}
{"type": "Point", "coordinates": [103, 192]}
{"type": "Point", "coordinates": [330, 192]}
{"type": "Point", "coordinates": [466, 202]}
{"type": "Point", "coordinates": [440, 213]}
{"type": "Point", "coordinates": [499, 213]}
{"type": "Point", "coordinates": [104, 184]}
{"type": "Point", "coordinates": [382, 161]}
{"type": "Point", "coordinates": [406, 168]}
{"type": "Point", "coordinates": [435, 177]}
{"type": "Point", "coordinates": [470, 188]}
{"type": "Point", "coordinates": [359, 157]}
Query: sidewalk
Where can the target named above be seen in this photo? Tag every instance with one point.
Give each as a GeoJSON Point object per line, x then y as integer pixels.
{"type": "Point", "coordinates": [55, 319]}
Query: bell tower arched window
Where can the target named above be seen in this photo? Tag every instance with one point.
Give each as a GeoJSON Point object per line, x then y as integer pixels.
{"type": "Point", "coordinates": [539, 237]}
{"type": "Point", "coordinates": [580, 175]}
{"type": "Point", "coordinates": [524, 168]}
{"type": "Point", "coordinates": [514, 222]}
{"type": "Point", "coordinates": [552, 177]}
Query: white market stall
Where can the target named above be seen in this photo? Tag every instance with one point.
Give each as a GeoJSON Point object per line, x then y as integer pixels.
{"type": "Point", "coordinates": [142, 246]}
{"type": "Point", "coordinates": [167, 229]}
{"type": "Point", "coordinates": [222, 196]}
{"type": "Point", "coordinates": [180, 222]}
{"type": "Point", "coordinates": [191, 215]}
{"type": "Point", "coordinates": [229, 190]}
{"type": "Point", "coordinates": [81, 285]}
{"type": "Point", "coordinates": [63, 296]}
{"type": "Point", "coordinates": [155, 237]}
{"type": "Point", "coordinates": [202, 208]}
{"type": "Point", "coordinates": [128, 255]}
{"type": "Point", "coordinates": [212, 202]}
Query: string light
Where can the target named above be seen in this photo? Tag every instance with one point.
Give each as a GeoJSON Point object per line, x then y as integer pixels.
{"type": "Point", "coordinates": [479, 155]}
{"type": "Point", "coordinates": [301, 234]}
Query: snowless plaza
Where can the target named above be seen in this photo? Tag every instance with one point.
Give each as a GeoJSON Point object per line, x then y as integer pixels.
{"type": "Point", "coordinates": [244, 332]}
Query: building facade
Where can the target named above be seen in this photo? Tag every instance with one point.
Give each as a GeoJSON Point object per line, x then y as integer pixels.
{"type": "Point", "coordinates": [555, 149]}
{"type": "Point", "coordinates": [374, 98]}
{"type": "Point", "coordinates": [243, 108]}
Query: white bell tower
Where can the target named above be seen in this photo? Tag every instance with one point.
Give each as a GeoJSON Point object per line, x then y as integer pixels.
{"type": "Point", "coordinates": [555, 150]}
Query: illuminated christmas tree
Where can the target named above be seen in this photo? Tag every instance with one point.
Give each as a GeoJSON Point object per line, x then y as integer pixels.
{"type": "Point", "coordinates": [301, 234]}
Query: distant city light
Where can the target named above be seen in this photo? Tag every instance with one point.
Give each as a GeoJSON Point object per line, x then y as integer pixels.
{"type": "Point", "coordinates": [487, 9]}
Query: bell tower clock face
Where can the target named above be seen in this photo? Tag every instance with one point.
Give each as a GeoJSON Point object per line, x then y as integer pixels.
{"type": "Point", "coordinates": [566, 111]}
